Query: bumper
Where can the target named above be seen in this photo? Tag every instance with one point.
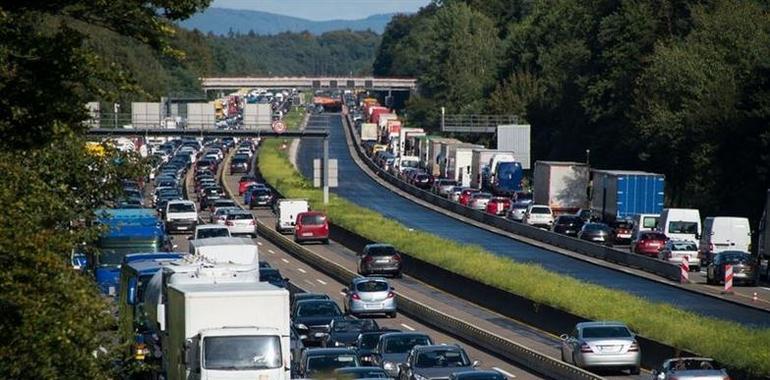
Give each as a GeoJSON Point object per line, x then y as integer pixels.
{"type": "Point", "coordinates": [382, 268]}
{"type": "Point", "coordinates": [181, 225]}
{"type": "Point", "coordinates": [310, 238]}
{"type": "Point", "coordinates": [364, 307]}
{"type": "Point", "coordinates": [244, 230]}
{"type": "Point", "coordinates": [630, 359]}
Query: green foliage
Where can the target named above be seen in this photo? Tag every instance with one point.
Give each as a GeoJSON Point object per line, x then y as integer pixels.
{"type": "Point", "coordinates": [664, 322]}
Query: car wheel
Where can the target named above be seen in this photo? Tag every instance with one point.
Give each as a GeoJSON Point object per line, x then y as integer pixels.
{"type": "Point", "coordinates": [709, 281]}
{"type": "Point", "coordinates": [635, 371]}
{"type": "Point", "coordinates": [574, 361]}
{"type": "Point", "coordinates": [564, 359]}
{"type": "Point", "coordinates": [325, 241]}
{"type": "Point", "coordinates": [392, 314]}
{"type": "Point", "coordinates": [399, 275]}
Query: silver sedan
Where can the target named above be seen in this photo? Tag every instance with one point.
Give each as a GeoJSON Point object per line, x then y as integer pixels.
{"type": "Point", "coordinates": [602, 345]}
{"type": "Point", "coordinates": [370, 295]}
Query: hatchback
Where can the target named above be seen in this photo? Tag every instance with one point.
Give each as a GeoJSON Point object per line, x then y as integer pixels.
{"type": "Point", "coordinates": [596, 232]}
{"type": "Point", "coordinates": [311, 226]}
{"type": "Point", "coordinates": [743, 264]}
{"type": "Point", "coordinates": [538, 216]}
{"type": "Point", "coordinates": [498, 206]}
{"type": "Point", "coordinates": [568, 225]}
{"type": "Point", "coordinates": [675, 251]}
{"type": "Point", "coordinates": [454, 194]}
{"type": "Point", "coordinates": [241, 223]}
{"type": "Point", "coordinates": [442, 187]}
{"type": "Point", "coordinates": [517, 211]}
{"type": "Point", "coordinates": [379, 259]}
{"type": "Point", "coordinates": [370, 295]}
{"type": "Point", "coordinates": [602, 344]}
{"type": "Point", "coordinates": [648, 243]}
{"type": "Point", "coordinates": [465, 196]}
{"type": "Point", "coordinates": [478, 201]}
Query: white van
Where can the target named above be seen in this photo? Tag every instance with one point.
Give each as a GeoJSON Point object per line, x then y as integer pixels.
{"type": "Point", "coordinates": [645, 222]}
{"type": "Point", "coordinates": [721, 233]}
{"type": "Point", "coordinates": [181, 215]}
{"type": "Point", "coordinates": [287, 210]}
{"type": "Point", "coordinates": [680, 224]}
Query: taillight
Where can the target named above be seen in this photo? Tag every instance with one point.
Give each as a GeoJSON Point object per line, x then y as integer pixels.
{"type": "Point", "coordinates": [391, 294]}
{"type": "Point", "coordinates": [585, 348]}
{"type": "Point", "coordinates": [355, 296]}
{"type": "Point", "coordinates": [397, 257]}
{"type": "Point", "coordinates": [634, 347]}
{"type": "Point", "coordinates": [229, 223]}
{"type": "Point", "coordinates": [251, 222]}
{"type": "Point", "coordinates": [368, 259]}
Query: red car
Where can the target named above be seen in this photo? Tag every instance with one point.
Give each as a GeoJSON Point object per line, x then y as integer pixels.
{"type": "Point", "coordinates": [498, 205]}
{"type": "Point", "coordinates": [244, 182]}
{"type": "Point", "coordinates": [311, 226]}
{"type": "Point", "coordinates": [465, 196]}
{"type": "Point", "coordinates": [648, 243]}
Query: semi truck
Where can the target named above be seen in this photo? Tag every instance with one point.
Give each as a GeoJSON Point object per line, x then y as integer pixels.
{"type": "Point", "coordinates": [369, 132]}
{"type": "Point", "coordinates": [620, 194]}
{"type": "Point", "coordinates": [232, 250]}
{"type": "Point", "coordinates": [228, 330]}
{"type": "Point", "coordinates": [763, 240]}
{"type": "Point", "coordinates": [563, 186]}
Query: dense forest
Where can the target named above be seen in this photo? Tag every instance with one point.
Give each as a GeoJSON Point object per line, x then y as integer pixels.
{"type": "Point", "coordinates": [679, 87]}
{"type": "Point", "coordinates": [341, 52]}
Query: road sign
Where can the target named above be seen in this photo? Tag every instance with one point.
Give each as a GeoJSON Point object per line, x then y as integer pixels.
{"type": "Point", "coordinates": [279, 126]}
{"type": "Point", "coordinates": [318, 173]}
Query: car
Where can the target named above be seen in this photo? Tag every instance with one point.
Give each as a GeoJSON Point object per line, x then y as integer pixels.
{"type": "Point", "coordinates": [692, 368]}
{"type": "Point", "coordinates": [369, 295]}
{"type": "Point", "coordinates": [675, 251]}
{"type": "Point", "coordinates": [596, 232]}
{"type": "Point", "coordinates": [366, 344]}
{"type": "Point", "coordinates": [568, 225]}
{"type": "Point", "coordinates": [538, 216]}
{"type": "Point", "coordinates": [320, 363]}
{"type": "Point", "coordinates": [296, 297]}
{"type": "Point", "coordinates": [477, 375]}
{"type": "Point", "coordinates": [180, 216]}
{"type": "Point", "coordinates": [381, 259]}
{"type": "Point", "coordinates": [648, 243]}
{"type": "Point", "coordinates": [250, 190]}
{"type": "Point", "coordinates": [261, 197]}
{"type": "Point", "coordinates": [478, 201]}
{"type": "Point", "coordinates": [422, 181]}
{"type": "Point", "coordinates": [220, 215]}
{"type": "Point", "coordinates": [743, 263]}
{"type": "Point", "coordinates": [435, 362]}
{"type": "Point", "coordinates": [454, 193]}
{"type": "Point", "coordinates": [393, 348]}
{"type": "Point", "coordinates": [498, 206]}
{"type": "Point", "coordinates": [442, 187]}
{"type": "Point", "coordinates": [621, 231]}
{"type": "Point", "coordinates": [465, 196]}
{"type": "Point", "coordinates": [351, 373]}
{"type": "Point", "coordinates": [311, 226]}
{"type": "Point", "coordinates": [602, 344]}
{"type": "Point", "coordinates": [273, 277]}
{"type": "Point", "coordinates": [313, 317]}
{"type": "Point", "coordinates": [240, 164]}
{"type": "Point", "coordinates": [241, 223]}
{"type": "Point", "coordinates": [244, 182]}
{"type": "Point", "coordinates": [525, 197]}
{"type": "Point", "coordinates": [586, 214]}
{"type": "Point", "coordinates": [205, 231]}
{"type": "Point", "coordinates": [517, 211]}
{"type": "Point", "coordinates": [222, 203]}
{"type": "Point", "coordinates": [344, 332]}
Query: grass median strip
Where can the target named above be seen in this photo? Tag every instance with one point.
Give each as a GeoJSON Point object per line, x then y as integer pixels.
{"type": "Point", "coordinates": [728, 342]}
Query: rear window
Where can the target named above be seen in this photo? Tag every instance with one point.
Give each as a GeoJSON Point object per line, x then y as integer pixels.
{"type": "Point", "coordinates": [541, 210]}
{"type": "Point", "coordinates": [181, 207]}
{"type": "Point", "coordinates": [684, 246]}
{"type": "Point", "coordinates": [569, 219]}
{"type": "Point", "coordinates": [239, 216]}
{"type": "Point", "coordinates": [653, 236]}
{"type": "Point", "coordinates": [206, 233]}
{"type": "Point", "coordinates": [736, 258]}
{"type": "Point", "coordinates": [382, 251]}
{"type": "Point", "coordinates": [606, 332]}
{"type": "Point", "coordinates": [683, 227]}
{"type": "Point", "coordinates": [313, 220]}
{"type": "Point", "coordinates": [372, 286]}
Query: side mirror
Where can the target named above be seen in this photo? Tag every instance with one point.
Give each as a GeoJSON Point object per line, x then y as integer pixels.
{"type": "Point", "coordinates": [476, 363]}
{"type": "Point", "coordinates": [187, 357]}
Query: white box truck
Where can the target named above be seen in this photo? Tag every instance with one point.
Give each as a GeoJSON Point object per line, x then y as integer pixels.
{"type": "Point", "coordinates": [233, 250]}
{"type": "Point", "coordinates": [479, 162]}
{"type": "Point", "coordinates": [563, 186]}
{"type": "Point", "coordinates": [287, 210]}
{"type": "Point", "coordinates": [369, 132]}
{"type": "Point", "coordinates": [232, 331]}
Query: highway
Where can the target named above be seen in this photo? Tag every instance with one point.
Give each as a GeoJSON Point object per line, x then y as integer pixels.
{"type": "Point", "coordinates": [356, 186]}
{"type": "Point", "coordinates": [311, 280]}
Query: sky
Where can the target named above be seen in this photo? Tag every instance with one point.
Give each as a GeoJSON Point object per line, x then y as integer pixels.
{"type": "Point", "coordinates": [325, 9]}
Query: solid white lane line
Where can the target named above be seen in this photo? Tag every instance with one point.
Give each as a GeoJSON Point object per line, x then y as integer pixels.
{"type": "Point", "coordinates": [506, 373]}
{"type": "Point", "coordinates": [765, 288]}
{"type": "Point", "coordinates": [342, 293]}
{"type": "Point", "coordinates": [301, 270]}
{"type": "Point", "coordinates": [284, 260]}
{"type": "Point", "coordinates": [322, 282]}
{"type": "Point", "coordinates": [410, 328]}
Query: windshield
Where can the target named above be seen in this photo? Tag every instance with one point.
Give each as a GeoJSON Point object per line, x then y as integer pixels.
{"type": "Point", "coordinates": [319, 309]}
{"type": "Point", "coordinates": [735, 258]}
{"type": "Point", "coordinates": [653, 236]}
{"type": "Point", "coordinates": [241, 352]}
{"type": "Point", "coordinates": [112, 250]}
{"type": "Point", "coordinates": [684, 364]}
{"type": "Point", "coordinates": [181, 207]}
{"type": "Point", "coordinates": [650, 222]}
{"type": "Point", "coordinates": [442, 358]}
{"type": "Point", "coordinates": [606, 332]}
{"type": "Point", "coordinates": [372, 286]}
{"type": "Point", "coordinates": [569, 219]}
{"type": "Point", "coordinates": [321, 364]}
{"type": "Point", "coordinates": [540, 210]}
{"type": "Point", "coordinates": [683, 227]}
{"type": "Point", "coordinates": [369, 341]}
{"type": "Point", "coordinates": [401, 344]}
{"type": "Point", "coordinates": [409, 164]}
{"type": "Point", "coordinates": [205, 233]}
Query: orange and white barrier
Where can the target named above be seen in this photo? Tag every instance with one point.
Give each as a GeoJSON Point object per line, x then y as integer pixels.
{"type": "Point", "coordinates": [684, 270]}
{"type": "Point", "coordinates": [728, 279]}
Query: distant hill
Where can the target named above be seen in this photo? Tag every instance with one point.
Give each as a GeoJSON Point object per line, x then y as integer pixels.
{"type": "Point", "coordinates": [221, 21]}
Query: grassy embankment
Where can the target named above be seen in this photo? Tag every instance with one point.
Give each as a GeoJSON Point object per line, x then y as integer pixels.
{"type": "Point", "coordinates": [728, 342]}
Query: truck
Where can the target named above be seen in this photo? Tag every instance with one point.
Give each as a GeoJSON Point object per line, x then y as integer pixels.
{"type": "Point", "coordinates": [458, 162]}
{"type": "Point", "coordinates": [563, 186]}
{"type": "Point", "coordinates": [763, 240]}
{"type": "Point", "coordinates": [369, 132]}
{"type": "Point", "coordinates": [233, 250]}
{"type": "Point", "coordinates": [403, 136]}
{"type": "Point", "coordinates": [505, 176]}
{"type": "Point", "coordinates": [228, 330]}
{"type": "Point", "coordinates": [479, 162]}
{"type": "Point", "coordinates": [515, 138]}
{"type": "Point", "coordinates": [621, 194]}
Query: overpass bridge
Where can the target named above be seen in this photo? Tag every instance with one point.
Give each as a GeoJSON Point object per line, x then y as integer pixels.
{"type": "Point", "coordinates": [318, 83]}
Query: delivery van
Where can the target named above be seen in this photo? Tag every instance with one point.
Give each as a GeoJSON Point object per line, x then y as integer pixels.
{"type": "Point", "coordinates": [721, 233]}
{"type": "Point", "coordinates": [681, 224]}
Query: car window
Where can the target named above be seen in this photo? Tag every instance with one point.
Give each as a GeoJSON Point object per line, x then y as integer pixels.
{"type": "Point", "coordinates": [328, 363]}
{"type": "Point", "coordinates": [181, 207]}
{"type": "Point", "coordinates": [205, 233]}
{"type": "Point", "coordinates": [353, 325]}
{"type": "Point", "coordinates": [381, 251]}
{"type": "Point", "coordinates": [442, 358]}
{"type": "Point", "coordinates": [540, 210]}
{"type": "Point", "coordinates": [402, 344]}
{"type": "Point", "coordinates": [313, 219]}
{"type": "Point", "coordinates": [318, 309]}
{"type": "Point", "coordinates": [372, 286]}
{"type": "Point", "coordinates": [239, 216]}
{"type": "Point", "coordinates": [735, 258]}
{"type": "Point", "coordinates": [683, 227]}
{"type": "Point", "coordinates": [606, 332]}
{"type": "Point", "coordinates": [683, 246]}
{"type": "Point", "coordinates": [653, 236]}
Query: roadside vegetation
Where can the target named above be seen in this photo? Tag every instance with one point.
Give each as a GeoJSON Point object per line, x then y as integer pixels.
{"type": "Point", "coordinates": [730, 343]}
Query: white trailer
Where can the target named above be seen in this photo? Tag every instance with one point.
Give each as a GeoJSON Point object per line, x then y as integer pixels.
{"type": "Point", "coordinates": [563, 186]}
{"type": "Point", "coordinates": [458, 165]}
{"type": "Point", "coordinates": [287, 210]}
{"type": "Point", "coordinates": [369, 132]}
{"type": "Point", "coordinates": [233, 250]}
{"type": "Point", "coordinates": [480, 161]}
{"type": "Point", "coordinates": [228, 330]}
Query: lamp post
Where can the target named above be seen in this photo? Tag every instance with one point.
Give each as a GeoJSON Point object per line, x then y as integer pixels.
{"type": "Point", "coordinates": [588, 185]}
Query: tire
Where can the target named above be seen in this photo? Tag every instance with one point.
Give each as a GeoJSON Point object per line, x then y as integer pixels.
{"type": "Point", "coordinates": [708, 280]}
{"type": "Point", "coordinates": [392, 314]}
{"type": "Point", "coordinates": [325, 241]}
{"type": "Point", "coordinates": [561, 351]}
{"type": "Point", "coordinates": [635, 371]}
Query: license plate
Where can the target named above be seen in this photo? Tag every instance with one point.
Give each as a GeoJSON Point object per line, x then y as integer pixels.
{"type": "Point", "coordinates": [624, 236]}
{"type": "Point", "coordinates": [654, 244]}
{"type": "Point", "coordinates": [182, 228]}
{"type": "Point", "coordinates": [598, 239]}
{"type": "Point", "coordinates": [307, 234]}
{"type": "Point", "coordinates": [371, 306]}
{"type": "Point", "coordinates": [609, 348]}
{"type": "Point", "coordinates": [382, 261]}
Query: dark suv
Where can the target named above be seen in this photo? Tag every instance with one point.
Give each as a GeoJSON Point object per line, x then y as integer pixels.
{"type": "Point", "coordinates": [379, 259]}
{"type": "Point", "coordinates": [568, 225]}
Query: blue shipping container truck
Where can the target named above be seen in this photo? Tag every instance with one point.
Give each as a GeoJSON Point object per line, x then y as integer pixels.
{"type": "Point", "coordinates": [619, 194]}
{"type": "Point", "coordinates": [507, 179]}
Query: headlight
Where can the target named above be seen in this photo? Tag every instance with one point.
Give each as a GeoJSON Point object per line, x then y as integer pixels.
{"type": "Point", "coordinates": [339, 344]}
{"type": "Point", "coordinates": [301, 326]}
{"type": "Point", "coordinates": [390, 366]}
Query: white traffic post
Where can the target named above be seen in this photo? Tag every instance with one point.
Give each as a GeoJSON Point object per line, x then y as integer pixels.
{"type": "Point", "coordinates": [684, 270]}
{"type": "Point", "coordinates": [728, 279]}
